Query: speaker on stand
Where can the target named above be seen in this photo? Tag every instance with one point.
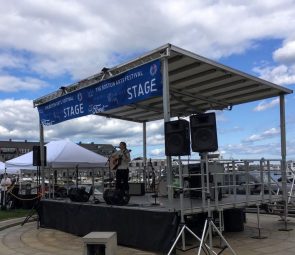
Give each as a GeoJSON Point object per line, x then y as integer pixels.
{"type": "Point", "coordinates": [177, 138]}
{"type": "Point", "coordinates": [37, 162]}
{"type": "Point", "coordinates": [203, 132]}
{"type": "Point", "coordinates": [37, 155]}
{"type": "Point", "coordinates": [204, 140]}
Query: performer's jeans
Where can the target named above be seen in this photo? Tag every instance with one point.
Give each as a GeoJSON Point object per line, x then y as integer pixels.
{"type": "Point", "coordinates": [122, 176]}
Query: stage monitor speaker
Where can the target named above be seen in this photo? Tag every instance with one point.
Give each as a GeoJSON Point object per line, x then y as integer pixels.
{"type": "Point", "coordinates": [177, 138]}
{"type": "Point", "coordinates": [234, 220]}
{"type": "Point", "coordinates": [203, 132]}
{"type": "Point", "coordinates": [195, 181]}
{"type": "Point", "coordinates": [79, 195]}
{"type": "Point", "coordinates": [37, 155]}
{"type": "Point", "coordinates": [115, 197]}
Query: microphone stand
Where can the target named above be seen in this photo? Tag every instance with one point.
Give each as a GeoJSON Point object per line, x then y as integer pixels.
{"type": "Point", "coordinates": [109, 168]}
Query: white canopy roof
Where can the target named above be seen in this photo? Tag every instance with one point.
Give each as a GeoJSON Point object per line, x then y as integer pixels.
{"type": "Point", "coordinates": [60, 154]}
{"type": "Point", "coordinates": [2, 166]}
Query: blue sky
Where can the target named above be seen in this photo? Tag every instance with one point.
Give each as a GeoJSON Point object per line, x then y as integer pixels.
{"type": "Point", "coordinates": [46, 45]}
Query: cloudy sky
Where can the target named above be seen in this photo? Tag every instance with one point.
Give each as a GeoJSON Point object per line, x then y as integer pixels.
{"type": "Point", "coordinates": [48, 44]}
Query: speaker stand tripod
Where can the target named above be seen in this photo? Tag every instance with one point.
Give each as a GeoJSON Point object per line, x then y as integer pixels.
{"type": "Point", "coordinates": [32, 212]}
{"type": "Point", "coordinates": [182, 225]}
{"type": "Point", "coordinates": [209, 223]}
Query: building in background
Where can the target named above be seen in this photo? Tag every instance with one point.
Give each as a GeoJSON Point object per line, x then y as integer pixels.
{"type": "Point", "coordinates": [12, 149]}
{"type": "Point", "coordinates": [105, 150]}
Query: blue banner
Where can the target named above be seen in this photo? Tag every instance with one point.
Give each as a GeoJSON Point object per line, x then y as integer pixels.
{"type": "Point", "coordinates": [130, 87]}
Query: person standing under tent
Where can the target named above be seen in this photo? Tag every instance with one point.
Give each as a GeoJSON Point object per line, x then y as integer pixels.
{"type": "Point", "coordinates": [5, 183]}
{"type": "Point", "coordinates": [122, 159]}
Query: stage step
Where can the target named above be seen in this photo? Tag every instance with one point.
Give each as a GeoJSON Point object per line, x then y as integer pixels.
{"type": "Point", "coordinates": [100, 243]}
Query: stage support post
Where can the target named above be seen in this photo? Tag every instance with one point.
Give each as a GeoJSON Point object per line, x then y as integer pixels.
{"type": "Point", "coordinates": [42, 156]}
{"type": "Point", "coordinates": [283, 161]}
{"type": "Point", "coordinates": [144, 153]}
{"type": "Point", "coordinates": [258, 224]}
{"type": "Point", "coordinates": [166, 109]}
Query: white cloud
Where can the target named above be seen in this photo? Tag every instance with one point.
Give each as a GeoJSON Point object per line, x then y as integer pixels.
{"type": "Point", "coordinates": [13, 84]}
{"type": "Point", "coordinates": [160, 153]}
{"type": "Point", "coordinates": [80, 38]}
{"type": "Point", "coordinates": [264, 105]}
{"type": "Point", "coordinates": [284, 72]}
{"type": "Point", "coordinates": [96, 129]}
{"type": "Point", "coordinates": [221, 117]}
{"type": "Point", "coordinates": [9, 60]}
{"type": "Point", "coordinates": [270, 133]}
{"type": "Point", "coordinates": [47, 39]}
{"type": "Point", "coordinates": [19, 120]}
{"type": "Point", "coordinates": [285, 54]}
{"type": "Point", "coordinates": [238, 151]}
{"type": "Point", "coordinates": [266, 150]}
{"type": "Point", "coordinates": [281, 74]}
{"type": "Point", "coordinates": [230, 130]}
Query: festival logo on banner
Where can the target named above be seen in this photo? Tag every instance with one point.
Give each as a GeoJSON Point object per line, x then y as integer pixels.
{"type": "Point", "coordinates": [133, 86]}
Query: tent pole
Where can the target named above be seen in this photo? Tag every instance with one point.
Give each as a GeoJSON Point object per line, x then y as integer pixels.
{"type": "Point", "coordinates": [42, 159]}
{"type": "Point", "coordinates": [144, 153]}
{"type": "Point", "coordinates": [77, 176]}
{"type": "Point", "coordinates": [166, 109]}
{"type": "Point", "coordinates": [68, 179]}
{"type": "Point", "coordinates": [92, 182]}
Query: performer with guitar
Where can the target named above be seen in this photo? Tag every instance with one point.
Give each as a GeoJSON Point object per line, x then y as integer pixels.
{"type": "Point", "coordinates": [120, 162]}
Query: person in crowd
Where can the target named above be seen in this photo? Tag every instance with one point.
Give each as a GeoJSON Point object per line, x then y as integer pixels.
{"type": "Point", "coordinates": [121, 159]}
{"type": "Point", "coordinates": [5, 183]}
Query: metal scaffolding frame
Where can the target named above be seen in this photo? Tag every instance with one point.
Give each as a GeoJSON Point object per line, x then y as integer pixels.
{"type": "Point", "coordinates": [191, 84]}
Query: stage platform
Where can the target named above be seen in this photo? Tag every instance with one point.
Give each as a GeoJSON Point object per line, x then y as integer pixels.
{"type": "Point", "coordinates": [145, 222]}
{"type": "Point", "coordinates": [198, 204]}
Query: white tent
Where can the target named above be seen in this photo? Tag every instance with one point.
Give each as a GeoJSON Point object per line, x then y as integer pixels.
{"type": "Point", "coordinates": [60, 154]}
{"type": "Point", "coordinates": [2, 166]}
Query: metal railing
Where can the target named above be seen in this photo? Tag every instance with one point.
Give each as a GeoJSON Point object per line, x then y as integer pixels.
{"type": "Point", "coordinates": [235, 183]}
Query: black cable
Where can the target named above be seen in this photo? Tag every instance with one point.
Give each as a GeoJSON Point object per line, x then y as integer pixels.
{"type": "Point", "coordinates": [222, 250]}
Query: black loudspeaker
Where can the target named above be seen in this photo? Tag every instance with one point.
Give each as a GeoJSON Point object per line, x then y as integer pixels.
{"type": "Point", "coordinates": [115, 197]}
{"type": "Point", "coordinates": [195, 180]}
{"type": "Point", "coordinates": [37, 155]}
{"type": "Point", "coordinates": [203, 132]}
{"type": "Point", "coordinates": [234, 220]}
{"type": "Point", "coordinates": [79, 195]}
{"type": "Point", "coordinates": [177, 138]}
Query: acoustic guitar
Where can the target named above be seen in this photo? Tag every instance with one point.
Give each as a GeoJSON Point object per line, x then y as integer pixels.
{"type": "Point", "coordinates": [115, 162]}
